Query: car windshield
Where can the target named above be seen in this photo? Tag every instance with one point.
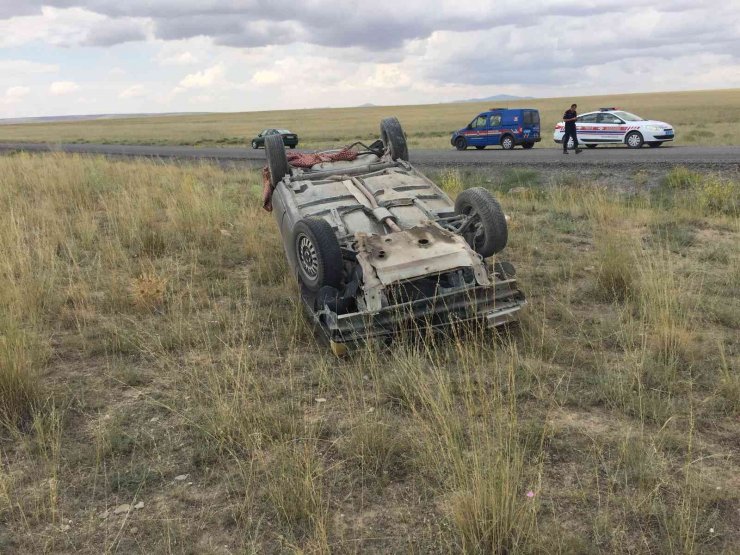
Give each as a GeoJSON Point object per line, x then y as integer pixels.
{"type": "Point", "coordinates": [284, 132]}
{"type": "Point", "coordinates": [626, 116]}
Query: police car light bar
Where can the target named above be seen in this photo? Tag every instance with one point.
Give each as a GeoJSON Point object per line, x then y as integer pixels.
{"type": "Point", "coordinates": [607, 109]}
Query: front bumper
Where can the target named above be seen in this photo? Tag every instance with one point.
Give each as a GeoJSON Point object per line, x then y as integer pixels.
{"type": "Point", "coordinates": [493, 305]}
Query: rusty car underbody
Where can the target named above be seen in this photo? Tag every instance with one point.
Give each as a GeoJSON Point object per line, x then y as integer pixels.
{"type": "Point", "coordinates": [376, 245]}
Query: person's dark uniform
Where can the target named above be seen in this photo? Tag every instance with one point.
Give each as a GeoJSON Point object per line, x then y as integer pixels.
{"type": "Point", "coordinates": [570, 130]}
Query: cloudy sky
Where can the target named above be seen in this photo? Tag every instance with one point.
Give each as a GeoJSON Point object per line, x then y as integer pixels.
{"type": "Point", "coordinates": [119, 56]}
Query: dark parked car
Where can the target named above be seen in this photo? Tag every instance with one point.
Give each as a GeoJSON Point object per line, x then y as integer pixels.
{"type": "Point", "coordinates": [376, 246]}
{"type": "Point", "coordinates": [290, 139]}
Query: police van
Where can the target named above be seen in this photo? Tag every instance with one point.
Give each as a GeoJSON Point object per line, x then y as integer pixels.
{"type": "Point", "coordinates": [500, 126]}
{"type": "Point", "coordinates": [612, 125]}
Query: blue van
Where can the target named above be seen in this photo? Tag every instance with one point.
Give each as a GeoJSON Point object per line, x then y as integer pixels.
{"type": "Point", "coordinates": [500, 126]}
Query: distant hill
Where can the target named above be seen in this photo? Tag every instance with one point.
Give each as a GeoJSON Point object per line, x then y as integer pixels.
{"type": "Point", "coordinates": [90, 117]}
{"type": "Point", "coordinates": [498, 97]}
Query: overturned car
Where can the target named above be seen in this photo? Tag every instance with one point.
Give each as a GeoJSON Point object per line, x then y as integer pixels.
{"type": "Point", "coordinates": [377, 247]}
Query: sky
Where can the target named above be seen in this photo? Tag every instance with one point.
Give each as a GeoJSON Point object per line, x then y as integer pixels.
{"type": "Point", "coordinates": [65, 57]}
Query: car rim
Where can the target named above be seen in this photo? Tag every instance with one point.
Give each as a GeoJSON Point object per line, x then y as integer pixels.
{"type": "Point", "coordinates": [507, 143]}
{"type": "Point", "coordinates": [307, 257]}
{"type": "Point", "coordinates": [633, 140]}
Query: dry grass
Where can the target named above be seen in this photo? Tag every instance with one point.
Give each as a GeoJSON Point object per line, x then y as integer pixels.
{"type": "Point", "coordinates": [152, 351]}
{"type": "Point", "coordinates": [700, 118]}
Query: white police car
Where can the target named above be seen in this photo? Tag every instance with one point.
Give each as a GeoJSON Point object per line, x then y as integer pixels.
{"type": "Point", "coordinates": [611, 125]}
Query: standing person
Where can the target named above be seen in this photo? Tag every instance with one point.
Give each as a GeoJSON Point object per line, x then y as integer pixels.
{"type": "Point", "coordinates": [569, 117]}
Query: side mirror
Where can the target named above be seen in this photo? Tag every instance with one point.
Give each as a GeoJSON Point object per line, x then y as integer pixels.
{"type": "Point", "coordinates": [470, 126]}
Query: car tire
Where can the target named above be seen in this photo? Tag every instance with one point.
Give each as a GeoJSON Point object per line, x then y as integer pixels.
{"type": "Point", "coordinates": [527, 145]}
{"type": "Point", "coordinates": [461, 143]}
{"type": "Point", "coordinates": [317, 254]}
{"type": "Point", "coordinates": [479, 147]}
{"type": "Point", "coordinates": [507, 142]}
{"type": "Point", "coordinates": [488, 232]}
{"type": "Point", "coordinates": [655, 144]}
{"type": "Point", "coordinates": [394, 139]}
{"type": "Point", "coordinates": [255, 146]}
{"type": "Point", "coordinates": [277, 162]}
{"type": "Point", "coordinates": [634, 139]}
{"type": "Point", "coordinates": [591, 146]}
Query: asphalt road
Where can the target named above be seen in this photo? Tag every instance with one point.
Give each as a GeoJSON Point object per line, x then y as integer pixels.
{"type": "Point", "coordinates": [725, 157]}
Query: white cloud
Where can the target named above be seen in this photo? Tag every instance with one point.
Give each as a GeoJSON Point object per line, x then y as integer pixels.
{"type": "Point", "coordinates": [177, 59]}
{"type": "Point", "coordinates": [15, 94]}
{"type": "Point", "coordinates": [26, 66]}
{"type": "Point", "coordinates": [206, 78]}
{"type": "Point", "coordinates": [134, 91]}
{"type": "Point", "coordinates": [59, 88]}
{"type": "Point", "coordinates": [265, 77]}
{"type": "Point", "coordinates": [71, 27]}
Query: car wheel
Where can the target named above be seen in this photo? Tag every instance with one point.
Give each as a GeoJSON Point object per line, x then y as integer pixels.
{"type": "Point", "coordinates": [655, 144]}
{"type": "Point", "coordinates": [255, 145]}
{"type": "Point", "coordinates": [461, 143]}
{"type": "Point", "coordinates": [317, 253]}
{"type": "Point", "coordinates": [591, 146]}
{"type": "Point", "coordinates": [634, 139]}
{"type": "Point", "coordinates": [486, 232]}
{"type": "Point", "coordinates": [571, 144]}
{"type": "Point", "coordinates": [394, 139]}
{"type": "Point", "coordinates": [507, 142]}
{"type": "Point", "coordinates": [527, 145]}
{"type": "Point", "coordinates": [277, 162]}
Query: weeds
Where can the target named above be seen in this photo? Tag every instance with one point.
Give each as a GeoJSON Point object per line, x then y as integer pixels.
{"type": "Point", "coordinates": [152, 350]}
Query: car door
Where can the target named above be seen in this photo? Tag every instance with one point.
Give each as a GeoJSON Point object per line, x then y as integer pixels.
{"type": "Point", "coordinates": [261, 137]}
{"type": "Point", "coordinates": [493, 135]}
{"type": "Point", "coordinates": [477, 131]}
{"type": "Point", "coordinates": [587, 129]}
{"type": "Point", "coordinates": [611, 128]}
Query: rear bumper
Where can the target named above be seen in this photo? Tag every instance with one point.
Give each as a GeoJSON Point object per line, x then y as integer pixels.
{"type": "Point", "coordinates": [492, 305]}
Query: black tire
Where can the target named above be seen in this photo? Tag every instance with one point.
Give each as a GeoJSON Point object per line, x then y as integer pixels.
{"type": "Point", "coordinates": [655, 144]}
{"type": "Point", "coordinates": [480, 147]}
{"type": "Point", "coordinates": [255, 146]}
{"type": "Point", "coordinates": [277, 162]}
{"type": "Point", "coordinates": [591, 146]}
{"type": "Point", "coordinates": [394, 139]}
{"type": "Point", "coordinates": [317, 254]}
{"type": "Point", "coordinates": [488, 232]}
{"type": "Point", "coordinates": [634, 139]}
{"type": "Point", "coordinates": [461, 143]}
{"type": "Point", "coordinates": [527, 145]}
{"type": "Point", "coordinates": [507, 142]}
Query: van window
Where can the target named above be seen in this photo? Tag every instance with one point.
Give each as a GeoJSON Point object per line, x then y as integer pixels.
{"type": "Point", "coordinates": [531, 117]}
{"type": "Point", "coordinates": [479, 122]}
{"type": "Point", "coordinates": [495, 120]}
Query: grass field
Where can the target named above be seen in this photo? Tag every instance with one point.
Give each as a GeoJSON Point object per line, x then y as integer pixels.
{"type": "Point", "coordinates": [700, 118]}
{"type": "Point", "coordinates": [160, 391]}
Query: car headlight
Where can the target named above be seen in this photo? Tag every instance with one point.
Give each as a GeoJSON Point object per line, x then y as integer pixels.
{"type": "Point", "coordinates": [653, 128]}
